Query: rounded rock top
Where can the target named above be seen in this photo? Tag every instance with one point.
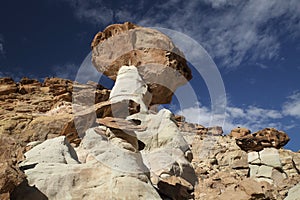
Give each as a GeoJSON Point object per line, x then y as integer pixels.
{"type": "Point", "coordinates": [159, 62]}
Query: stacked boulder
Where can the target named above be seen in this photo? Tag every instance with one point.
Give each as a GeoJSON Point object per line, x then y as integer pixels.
{"type": "Point", "coordinates": [263, 154]}
{"type": "Point", "coordinates": [133, 152]}
{"type": "Point", "coordinates": [159, 62]}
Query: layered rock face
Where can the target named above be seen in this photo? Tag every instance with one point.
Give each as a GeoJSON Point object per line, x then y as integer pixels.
{"type": "Point", "coordinates": [32, 112]}
{"type": "Point", "coordinates": [64, 140]}
{"type": "Point", "coordinates": [27, 111]}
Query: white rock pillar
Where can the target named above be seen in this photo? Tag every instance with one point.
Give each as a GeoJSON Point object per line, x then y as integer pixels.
{"type": "Point", "coordinates": [130, 86]}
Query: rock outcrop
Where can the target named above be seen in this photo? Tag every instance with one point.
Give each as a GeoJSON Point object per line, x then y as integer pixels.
{"type": "Point", "coordinates": [268, 137]}
{"type": "Point", "coordinates": [239, 132]}
{"type": "Point", "coordinates": [225, 171]}
{"type": "Point", "coordinates": [144, 154]}
{"type": "Point", "coordinates": [294, 193]}
{"type": "Point", "coordinates": [159, 62]}
{"type": "Point", "coordinates": [131, 149]}
{"type": "Point", "coordinates": [65, 140]}
{"type": "Point", "coordinates": [7, 86]}
{"type": "Point", "coordinates": [61, 176]}
{"type": "Point", "coordinates": [28, 107]}
{"type": "Point", "coordinates": [32, 112]}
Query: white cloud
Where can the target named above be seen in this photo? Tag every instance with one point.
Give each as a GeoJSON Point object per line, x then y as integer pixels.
{"type": "Point", "coordinates": [93, 11]}
{"type": "Point", "coordinates": [100, 12]}
{"type": "Point", "coordinates": [235, 28]}
{"type": "Point", "coordinates": [255, 112]}
{"type": "Point", "coordinates": [262, 66]}
{"type": "Point", "coordinates": [231, 30]}
{"type": "Point", "coordinates": [292, 106]}
{"type": "Point", "coordinates": [251, 117]}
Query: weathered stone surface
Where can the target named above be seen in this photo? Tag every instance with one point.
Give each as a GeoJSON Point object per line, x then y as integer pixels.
{"type": "Point", "coordinates": [99, 145]}
{"type": "Point", "coordinates": [58, 86]}
{"type": "Point", "coordinates": [70, 131]}
{"type": "Point", "coordinates": [239, 132]}
{"type": "Point", "coordinates": [119, 123]}
{"type": "Point", "coordinates": [10, 175]}
{"type": "Point", "coordinates": [192, 128]}
{"type": "Point", "coordinates": [89, 181]}
{"type": "Point", "coordinates": [130, 86]}
{"type": "Point", "coordinates": [294, 193]}
{"type": "Point", "coordinates": [290, 162]}
{"type": "Point", "coordinates": [38, 111]}
{"type": "Point", "coordinates": [234, 159]}
{"type": "Point", "coordinates": [221, 177]}
{"type": "Point", "coordinates": [27, 85]}
{"type": "Point", "coordinates": [56, 150]}
{"type": "Point", "coordinates": [270, 157]}
{"type": "Point", "coordinates": [161, 65]}
{"type": "Point", "coordinates": [253, 157]}
{"type": "Point", "coordinates": [7, 86]}
{"type": "Point", "coordinates": [264, 171]}
{"type": "Point", "coordinates": [45, 127]}
{"type": "Point", "coordinates": [226, 186]}
{"type": "Point", "coordinates": [109, 173]}
{"type": "Point", "coordinates": [268, 137]}
{"type": "Point", "coordinates": [26, 192]}
{"type": "Point", "coordinates": [118, 159]}
{"type": "Point", "coordinates": [110, 31]}
{"type": "Point", "coordinates": [175, 188]}
{"type": "Point", "coordinates": [215, 130]}
{"type": "Point", "coordinates": [265, 165]}
{"type": "Point", "coordinates": [165, 152]}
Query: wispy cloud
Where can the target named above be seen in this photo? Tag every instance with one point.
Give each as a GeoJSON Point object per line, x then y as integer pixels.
{"type": "Point", "coordinates": [231, 30]}
{"type": "Point", "coordinates": [100, 12]}
{"type": "Point", "coordinates": [16, 74]}
{"type": "Point", "coordinates": [292, 106]}
{"type": "Point", "coordinates": [67, 71]}
{"type": "Point", "coordinates": [252, 117]}
{"type": "Point", "coordinates": [234, 31]}
{"type": "Point", "coordinates": [262, 66]}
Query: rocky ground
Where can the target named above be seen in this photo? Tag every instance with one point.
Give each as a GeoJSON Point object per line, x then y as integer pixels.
{"type": "Point", "coordinates": [65, 140]}
{"type": "Point", "coordinates": [225, 166]}
{"type": "Point", "coordinates": [32, 112]}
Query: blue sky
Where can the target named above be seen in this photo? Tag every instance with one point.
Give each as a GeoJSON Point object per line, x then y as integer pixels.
{"type": "Point", "coordinates": [254, 44]}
